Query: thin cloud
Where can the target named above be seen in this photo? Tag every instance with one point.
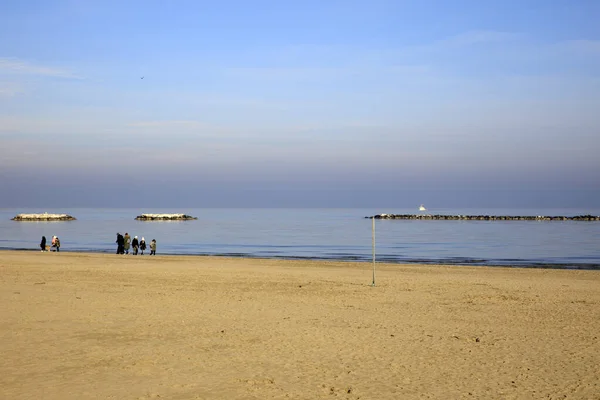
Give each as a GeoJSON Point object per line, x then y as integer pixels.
{"type": "Point", "coordinates": [43, 125]}
{"type": "Point", "coordinates": [176, 128]}
{"type": "Point", "coordinates": [318, 63]}
{"type": "Point", "coordinates": [581, 46]}
{"type": "Point", "coordinates": [477, 37]}
{"type": "Point", "coordinates": [166, 124]}
{"type": "Point", "coordinates": [329, 74]}
{"type": "Point", "coordinates": [10, 89]}
{"type": "Point", "coordinates": [289, 73]}
{"type": "Point", "coordinates": [15, 66]}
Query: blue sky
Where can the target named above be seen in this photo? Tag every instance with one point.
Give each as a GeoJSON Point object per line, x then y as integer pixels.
{"type": "Point", "coordinates": [314, 103]}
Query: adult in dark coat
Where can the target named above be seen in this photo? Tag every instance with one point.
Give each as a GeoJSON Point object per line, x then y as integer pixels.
{"type": "Point", "coordinates": [134, 245]}
{"type": "Point", "coordinates": [43, 243]}
{"type": "Point", "coordinates": [120, 244]}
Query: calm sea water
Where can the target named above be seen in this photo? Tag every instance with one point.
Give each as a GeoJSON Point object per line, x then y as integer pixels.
{"type": "Point", "coordinates": [340, 234]}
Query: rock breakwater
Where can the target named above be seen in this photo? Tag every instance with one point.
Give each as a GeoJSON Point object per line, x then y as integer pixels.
{"type": "Point", "coordinates": [485, 217]}
{"type": "Point", "coordinates": [43, 217]}
{"type": "Point", "coordinates": [164, 217]}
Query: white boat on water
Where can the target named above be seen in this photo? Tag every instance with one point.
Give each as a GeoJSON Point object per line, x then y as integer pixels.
{"type": "Point", "coordinates": [422, 208]}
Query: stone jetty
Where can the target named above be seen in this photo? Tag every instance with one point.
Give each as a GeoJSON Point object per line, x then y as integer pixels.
{"type": "Point", "coordinates": [164, 217]}
{"type": "Point", "coordinates": [43, 217]}
{"type": "Point", "coordinates": [485, 217]}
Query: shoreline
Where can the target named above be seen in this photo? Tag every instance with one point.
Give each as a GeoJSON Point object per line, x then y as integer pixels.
{"type": "Point", "coordinates": [462, 262]}
{"type": "Point", "coordinates": [200, 259]}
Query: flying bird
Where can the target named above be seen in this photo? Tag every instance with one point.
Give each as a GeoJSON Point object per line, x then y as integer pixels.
{"type": "Point", "coordinates": [142, 77]}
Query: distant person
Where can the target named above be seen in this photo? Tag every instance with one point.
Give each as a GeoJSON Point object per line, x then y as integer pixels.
{"type": "Point", "coordinates": [142, 245]}
{"type": "Point", "coordinates": [153, 247]}
{"type": "Point", "coordinates": [127, 243]}
{"type": "Point", "coordinates": [120, 243]}
{"type": "Point", "coordinates": [135, 245]}
{"type": "Point", "coordinates": [43, 243]}
{"type": "Point", "coordinates": [55, 243]}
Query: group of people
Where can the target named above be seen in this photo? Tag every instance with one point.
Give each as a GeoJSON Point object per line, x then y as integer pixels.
{"type": "Point", "coordinates": [124, 243]}
{"type": "Point", "coordinates": [54, 246]}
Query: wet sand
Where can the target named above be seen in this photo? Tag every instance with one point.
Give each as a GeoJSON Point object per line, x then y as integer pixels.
{"type": "Point", "coordinates": [102, 326]}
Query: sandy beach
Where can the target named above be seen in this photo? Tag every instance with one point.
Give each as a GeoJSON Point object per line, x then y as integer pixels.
{"type": "Point", "coordinates": [102, 326]}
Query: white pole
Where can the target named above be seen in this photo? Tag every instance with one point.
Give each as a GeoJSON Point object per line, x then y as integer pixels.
{"type": "Point", "coordinates": [373, 243]}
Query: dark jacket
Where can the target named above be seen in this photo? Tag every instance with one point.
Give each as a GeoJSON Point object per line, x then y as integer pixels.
{"type": "Point", "coordinates": [134, 242]}
{"type": "Point", "coordinates": [43, 243]}
{"type": "Point", "coordinates": [120, 240]}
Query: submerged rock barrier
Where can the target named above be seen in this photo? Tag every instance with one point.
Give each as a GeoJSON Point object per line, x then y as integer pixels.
{"type": "Point", "coordinates": [485, 217]}
{"type": "Point", "coordinates": [43, 217]}
{"type": "Point", "coordinates": [164, 217]}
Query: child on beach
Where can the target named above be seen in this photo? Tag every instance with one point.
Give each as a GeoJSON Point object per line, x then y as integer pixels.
{"type": "Point", "coordinates": [153, 247]}
{"type": "Point", "coordinates": [142, 245]}
{"type": "Point", "coordinates": [55, 243]}
{"type": "Point", "coordinates": [43, 243]}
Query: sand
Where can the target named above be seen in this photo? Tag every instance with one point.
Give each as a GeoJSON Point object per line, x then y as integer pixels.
{"type": "Point", "coordinates": [100, 326]}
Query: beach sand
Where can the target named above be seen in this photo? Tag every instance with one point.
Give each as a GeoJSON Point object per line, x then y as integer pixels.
{"type": "Point", "coordinates": [103, 326]}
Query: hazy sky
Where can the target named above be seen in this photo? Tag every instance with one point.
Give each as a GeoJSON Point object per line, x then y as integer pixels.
{"type": "Point", "coordinates": [277, 103]}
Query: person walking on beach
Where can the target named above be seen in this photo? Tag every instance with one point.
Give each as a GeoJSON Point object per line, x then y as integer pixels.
{"type": "Point", "coordinates": [134, 245]}
{"type": "Point", "coordinates": [120, 243]}
{"type": "Point", "coordinates": [43, 243]}
{"type": "Point", "coordinates": [127, 243]}
{"type": "Point", "coordinates": [56, 243]}
{"type": "Point", "coordinates": [142, 245]}
{"type": "Point", "coordinates": [153, 247]}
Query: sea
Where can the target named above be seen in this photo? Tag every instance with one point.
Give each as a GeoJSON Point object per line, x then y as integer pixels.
{"type": "Point", "coordinates": [342, 234]}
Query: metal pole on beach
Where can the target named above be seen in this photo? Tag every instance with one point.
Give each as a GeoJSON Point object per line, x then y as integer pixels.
{"type": "Point", "coordinates": [373, 244]}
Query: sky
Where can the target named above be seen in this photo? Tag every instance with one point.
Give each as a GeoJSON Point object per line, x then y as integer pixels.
{"type": "Point", "coordinates": [313, 103]}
